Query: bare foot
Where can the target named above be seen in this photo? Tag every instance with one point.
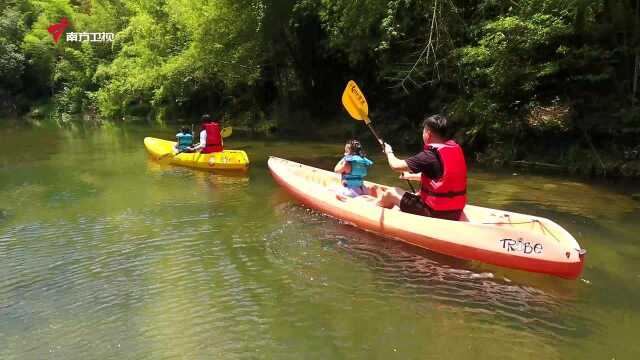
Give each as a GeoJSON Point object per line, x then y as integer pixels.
{"type": "Point", "coordinates": [379, 197]}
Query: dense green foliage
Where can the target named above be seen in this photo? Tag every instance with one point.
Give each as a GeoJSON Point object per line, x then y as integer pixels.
{"type": "Point", "coordinates": [550, 80]}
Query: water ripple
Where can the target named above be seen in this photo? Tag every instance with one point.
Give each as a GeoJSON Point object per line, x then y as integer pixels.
{"type": "Point", "coordinates": [410, 273]}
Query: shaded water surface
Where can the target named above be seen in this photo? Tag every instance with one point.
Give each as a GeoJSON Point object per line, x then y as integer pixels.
{"type": "Point", "coordinates": [105, 254]}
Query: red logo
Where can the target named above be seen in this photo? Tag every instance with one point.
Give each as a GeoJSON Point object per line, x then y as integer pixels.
{"type": "Point", "coordinates": [56, 30]}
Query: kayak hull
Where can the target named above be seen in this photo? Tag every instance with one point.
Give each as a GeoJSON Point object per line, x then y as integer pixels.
{"type": "Point", "coordinates": [491, 236]}
{"type": "Point", "coordinates": [235, 160]}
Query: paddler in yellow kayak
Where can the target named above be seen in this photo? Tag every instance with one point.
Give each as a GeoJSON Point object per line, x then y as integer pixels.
{"type": "Point", "coordinates": [210, 136]}
{"type": "Point", "coordinates": [184, 141]}
{"type": "Point", "coordinates": [441, 169]}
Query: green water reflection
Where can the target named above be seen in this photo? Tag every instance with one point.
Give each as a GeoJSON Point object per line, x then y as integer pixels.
{"type": "Point", "coordinates": [105, 254]}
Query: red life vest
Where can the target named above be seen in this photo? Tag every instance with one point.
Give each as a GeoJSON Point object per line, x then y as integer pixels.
{"type": "Point", "coordinates": [214, 139]}
{"type": "Point", "coordinates": [449, 192]}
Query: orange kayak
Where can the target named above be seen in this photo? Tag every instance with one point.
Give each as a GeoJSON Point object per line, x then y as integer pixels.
{"type": "Point", "coordinates": [497, 237]}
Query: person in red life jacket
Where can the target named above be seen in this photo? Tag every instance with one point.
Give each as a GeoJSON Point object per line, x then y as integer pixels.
{"type": "Point", "coordinates": [210, 137]}
{"type": "Point", "coordinates": [441, 169]}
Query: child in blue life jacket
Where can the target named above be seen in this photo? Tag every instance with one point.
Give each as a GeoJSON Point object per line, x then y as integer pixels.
{"type": "Point", "coordinates": [353, 167]}
{"type": "Point", "coordinates": [185, 140]}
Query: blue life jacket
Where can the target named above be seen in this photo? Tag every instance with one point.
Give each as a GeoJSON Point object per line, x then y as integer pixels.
{"type": "Point", "coordinates": [359, 167]}
{"type": "Point", "coordinates": [184, 141]}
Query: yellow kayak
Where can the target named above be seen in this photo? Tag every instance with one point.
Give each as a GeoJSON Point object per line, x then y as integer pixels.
{"type": "Point", "coordinates": [226, 160]}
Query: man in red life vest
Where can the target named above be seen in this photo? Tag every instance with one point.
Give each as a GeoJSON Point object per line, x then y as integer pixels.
{"type": "Point", "coordinates": [441, 169]}
{"type": "Point", "coordinates": [210, 137]}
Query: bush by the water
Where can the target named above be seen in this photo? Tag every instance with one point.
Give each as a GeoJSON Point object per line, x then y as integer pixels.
{"type": "Point", "coordinates": [539, 80]}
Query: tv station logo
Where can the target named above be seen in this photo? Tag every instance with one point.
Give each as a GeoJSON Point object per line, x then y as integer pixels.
{"type": "Point", "coordinates": [56, 30]}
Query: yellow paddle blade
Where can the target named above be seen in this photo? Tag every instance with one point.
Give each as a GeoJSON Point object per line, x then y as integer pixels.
{"type": "Point", "coordinates": [355, 103]}
{"type": "Point", "coordinates": [226, 132]}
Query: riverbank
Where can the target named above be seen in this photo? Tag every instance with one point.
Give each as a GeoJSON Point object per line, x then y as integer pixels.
{"type": "Point", "coordinates": [574, 160]}
{"type": "Point", "coordinates": [572, 156]}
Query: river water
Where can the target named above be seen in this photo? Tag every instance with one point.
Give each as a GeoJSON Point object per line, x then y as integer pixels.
{"type": "Point", "coordinates": [105, 254]}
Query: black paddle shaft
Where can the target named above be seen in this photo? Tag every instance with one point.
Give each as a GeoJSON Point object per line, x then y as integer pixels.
{"type": "Point", "coordinates": [376, 135]}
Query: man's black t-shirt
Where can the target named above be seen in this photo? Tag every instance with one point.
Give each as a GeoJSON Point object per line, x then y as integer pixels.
{"type": "Point", "coordinates": [427, 162]}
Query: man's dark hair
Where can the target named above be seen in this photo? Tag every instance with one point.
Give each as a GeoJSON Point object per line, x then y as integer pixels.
{"type": "Point", "coordinates": [185, 130]}
{"type": "Point", "coordinates": [437, 124]}
{"type": "Point", "coordinates": [206, 118]}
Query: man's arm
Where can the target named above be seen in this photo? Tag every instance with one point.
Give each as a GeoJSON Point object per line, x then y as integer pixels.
{"type": "Point", "coordinates": [395, 163]}
{"type": "Point", "coordinates": [203, 142]}
{"type": "Point", "coordinates": [411, 176]}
